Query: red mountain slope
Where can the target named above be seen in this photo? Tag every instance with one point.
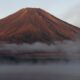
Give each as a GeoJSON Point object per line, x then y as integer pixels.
{"type": "Point", "coordinates": [33, 24]}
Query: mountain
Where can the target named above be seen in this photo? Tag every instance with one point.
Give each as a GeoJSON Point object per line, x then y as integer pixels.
{"type": "Point", "coordinates": [35, 25]}
{"type": "Point", "coordinates": [30, 25]}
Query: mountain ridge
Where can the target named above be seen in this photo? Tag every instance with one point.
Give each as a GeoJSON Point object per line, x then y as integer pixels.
{"type": "Point", "coordinates": [35, 25]}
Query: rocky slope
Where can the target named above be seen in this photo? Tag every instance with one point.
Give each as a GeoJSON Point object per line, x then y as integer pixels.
{"type": "Point", "coordinates": [35, 25]}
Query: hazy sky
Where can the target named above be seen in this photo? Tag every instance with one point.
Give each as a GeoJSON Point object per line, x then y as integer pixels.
{"type": "Point", "coordinates": [67, 10]}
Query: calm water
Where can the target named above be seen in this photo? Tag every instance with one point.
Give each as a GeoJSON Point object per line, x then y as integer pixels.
{"type": "Point", "coordinates": [56, 71]}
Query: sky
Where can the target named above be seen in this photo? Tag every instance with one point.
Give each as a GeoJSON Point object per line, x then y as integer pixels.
{"type": "Point", "coordinates": [67, 10]}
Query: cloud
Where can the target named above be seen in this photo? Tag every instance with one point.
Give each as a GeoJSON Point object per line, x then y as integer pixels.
{"type": "Point", "coordinates": [69, 48]}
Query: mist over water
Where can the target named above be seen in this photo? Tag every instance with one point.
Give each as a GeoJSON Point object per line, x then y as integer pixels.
{"type": "Point", "coordinates": [41, 71]}
{"type": "Point", "coordinates": [70, 48]}
{"type": "Point", "coordinates": [55, 71]}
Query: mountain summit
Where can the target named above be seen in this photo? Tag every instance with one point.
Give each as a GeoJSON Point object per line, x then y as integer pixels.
{"type": "Point", "coordinates": [35, 25]}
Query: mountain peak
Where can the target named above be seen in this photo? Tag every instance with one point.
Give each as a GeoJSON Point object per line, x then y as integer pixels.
{"type": "Point", "coordinates": [28, 12]}
{"type": "Point", "coordinates": [34, 24]}
{"type": "Point", "coordinates": [30, 9]}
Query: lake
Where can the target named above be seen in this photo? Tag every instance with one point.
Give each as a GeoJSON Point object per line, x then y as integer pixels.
{"type": "Point", "coordinates": [50, 71]}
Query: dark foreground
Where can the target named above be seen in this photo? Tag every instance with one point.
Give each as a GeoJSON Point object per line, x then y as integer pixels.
{"type": "Point", "coordinates": [55, 71]}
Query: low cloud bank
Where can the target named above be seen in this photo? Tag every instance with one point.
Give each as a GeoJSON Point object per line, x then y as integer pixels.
{"type": "Point", "coordinates": [65, 46]}
{"type": "Point", "coordinates": [70, 48]}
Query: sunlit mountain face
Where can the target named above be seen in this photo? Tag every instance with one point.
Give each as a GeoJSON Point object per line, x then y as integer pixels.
{"type": "Point", "coordinates": [31, 25]}
{"type": "Point", "coordinates": [34, 34]}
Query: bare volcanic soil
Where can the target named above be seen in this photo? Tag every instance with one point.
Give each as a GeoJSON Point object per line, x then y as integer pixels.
{"type": "Point", "coordinates": [35, 25]}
